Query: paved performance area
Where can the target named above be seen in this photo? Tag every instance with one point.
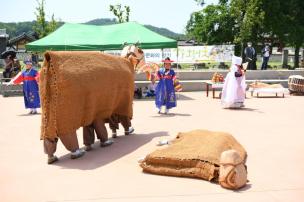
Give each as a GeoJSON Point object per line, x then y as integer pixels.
{"type": "Point", "coordinates": [269, 128]}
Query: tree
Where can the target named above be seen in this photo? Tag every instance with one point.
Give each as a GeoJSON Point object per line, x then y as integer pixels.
{"type": "Point", "coordinates": [52, 26]}
{"type": "Point", "coordinates": [280, 22]}
{"type": "Point", "coordinates": [234, 21]}
{"type": "Point", "coordinates": [249, 16]}
{"type": "Point", "coordinates": [122, 15]}
{"type": "Point", "coordinates": [15, 29]}
{"type": "Point", "coordinates": [212, 25]}
{"type": "Point", "coordinates": [42, 27]}
{"type": "Point", "coordinates": [284, 20]}
{"type": "Point", "coordinates": [200, 2]}
{"type": "Point", "coordinates": [295, 27]}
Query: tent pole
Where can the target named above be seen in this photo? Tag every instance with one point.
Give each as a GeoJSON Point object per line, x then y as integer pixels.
{"type": "Point", "coordinates": [177, 57]}
{"type": "Point", "coordinates": [162, 54]}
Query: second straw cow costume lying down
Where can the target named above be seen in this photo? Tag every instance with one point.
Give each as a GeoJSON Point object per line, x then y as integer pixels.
{"type": "Point", "coordinates": [80, 89]}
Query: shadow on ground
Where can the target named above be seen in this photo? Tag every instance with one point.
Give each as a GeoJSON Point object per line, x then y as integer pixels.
{"type": "Point", "coordinates": [28, 114]}
{"type": "Point", "coordinates": [183, 97]}
{"type": "Point", "coordinates": [178, 97]}
{"type": "Point", "coordinates": [101, 156]}
{"type": "Point", "coordinates": [245, 188]}
{"type": "Point", "coordinates": [162, 115]}
{"type": "Point", "coordinates": [269, 96]}
{"type": "Point", "coordinates": [244, 109]}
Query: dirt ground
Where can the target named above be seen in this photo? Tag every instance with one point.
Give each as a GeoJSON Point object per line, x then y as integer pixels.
{"type": "Point", "coordinates": [269, 128]}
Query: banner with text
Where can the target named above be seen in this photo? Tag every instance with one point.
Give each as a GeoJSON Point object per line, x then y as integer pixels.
{"type": "Point", "coordinates": [189, 54]}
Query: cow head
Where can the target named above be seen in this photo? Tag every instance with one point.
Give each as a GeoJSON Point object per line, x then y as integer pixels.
{"type": "Point", "coordinates": [135, 55]}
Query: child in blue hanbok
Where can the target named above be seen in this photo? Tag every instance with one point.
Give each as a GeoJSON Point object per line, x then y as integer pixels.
{"type": "Point", "coordinates": [29, 77]}
{"type": "Point", "coordinates": [164, 92]}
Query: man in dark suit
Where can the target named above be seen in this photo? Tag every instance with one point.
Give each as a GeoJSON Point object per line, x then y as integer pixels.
{"type": "Point", "coordinates": [250, 56]}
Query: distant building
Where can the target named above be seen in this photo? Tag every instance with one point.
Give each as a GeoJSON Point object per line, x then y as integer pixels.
{"type": "Point", "coordinates": [18, 43]}
{"type": "Point", "coordinates": [3, 40]}
{"type": "Point", "coordinates": [190, 42]}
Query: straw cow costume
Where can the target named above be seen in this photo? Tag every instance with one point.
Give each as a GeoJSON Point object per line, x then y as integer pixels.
{"type": "Point", "coordinates": [208, 155]}
{"type": "Point", "coordinates": [82, 89]}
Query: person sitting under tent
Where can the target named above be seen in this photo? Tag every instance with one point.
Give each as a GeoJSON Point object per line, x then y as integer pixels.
{"type": "Point", "coordinates": [151, 87]}
{"type": "Point", "coordinates": [12, 67]}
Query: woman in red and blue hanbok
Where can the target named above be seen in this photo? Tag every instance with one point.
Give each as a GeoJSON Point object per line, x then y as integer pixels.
{"type": "Point", "coordinates": [165, 92]}
{"type": "Point", "coordinates": [29, 77]}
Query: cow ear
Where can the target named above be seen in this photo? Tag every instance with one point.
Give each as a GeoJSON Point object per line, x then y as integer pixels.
{"type": "Point", "coordinates": [133, 49]}
{"type": "Point", "coordinates": [125, 51]}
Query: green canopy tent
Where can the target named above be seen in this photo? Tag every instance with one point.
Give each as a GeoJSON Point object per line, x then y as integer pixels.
{"type": "Point", "coordinates": [107, 37]}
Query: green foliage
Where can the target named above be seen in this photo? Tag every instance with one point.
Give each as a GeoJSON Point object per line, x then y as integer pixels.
{"type": "Point", "coordinates": [15, 29]}
{"type": "Point", "coordinates": [42, 27]}
{"type": "Point", "coordinates": [280, 22]}
{"type": "Point", "coordinates": [161, 31]}
{"type": "Point", "coordinates": [122, 15]}
{"type": "Point", "coordinates": [284, 22]}
{"type": "Point", "coordinates": [53, 25]}
{"type": "Point", "coordinates": [295, 27]}
{"type": "Point", "coordinates": [102, 21]}
{"type": "Point", "coordinates": [234, 21]}
{"type": "Point", "coordinates": [200, 2]}
{"type": "Point", "coordinates": [249, 18]}
{"type": "Point", "coordinates": [212, 25]}
{"type": "Point", "coordinates": [166, 32]}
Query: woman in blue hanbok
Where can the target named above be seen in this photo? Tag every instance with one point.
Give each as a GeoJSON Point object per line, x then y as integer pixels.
{"type": "Point", "coordinates": [164, 92]}
{"type": "Point", "coordinates": [29, 77]}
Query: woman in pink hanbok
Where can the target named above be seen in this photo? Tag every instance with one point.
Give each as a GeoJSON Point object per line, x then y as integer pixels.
{"type": "Point", "coordinates": [234, 89]}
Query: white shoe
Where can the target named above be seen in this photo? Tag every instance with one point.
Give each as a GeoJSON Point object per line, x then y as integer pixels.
{"type": "Point", "coordinates": [106, 143]}
{"type": "Point", "coordinates": [130, 131]}
{"type": "Point", "coordinates": [78, 153]}
{"type": "Point", "coordinates": [141, 159]}
{"type": "Point", "coordinates": [166, 111]}
{"type": "Point", "coordinates": [162, 142]}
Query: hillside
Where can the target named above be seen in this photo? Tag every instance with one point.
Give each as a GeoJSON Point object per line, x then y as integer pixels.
{"type": "Point", "coordinates": [15, 29]}
{"type": "Point", "coordinates": [162, 31]}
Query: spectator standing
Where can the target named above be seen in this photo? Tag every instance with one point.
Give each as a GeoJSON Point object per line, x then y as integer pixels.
{"type": "Point", "coordinates": [266, 55]}
{"type": "Point", "coordinates": [29, 79]}
{"type": "Point", "coordinates": [250, 56]}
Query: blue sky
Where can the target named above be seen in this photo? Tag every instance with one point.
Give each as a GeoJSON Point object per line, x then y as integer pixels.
{"type": "Point", "coordinates": [170, 14]}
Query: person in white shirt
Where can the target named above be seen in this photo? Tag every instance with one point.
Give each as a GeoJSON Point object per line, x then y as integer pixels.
{"type": "Point", "coordinates": [151, 87]}
{"type": "Point", "coordinates": [266, 55]}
